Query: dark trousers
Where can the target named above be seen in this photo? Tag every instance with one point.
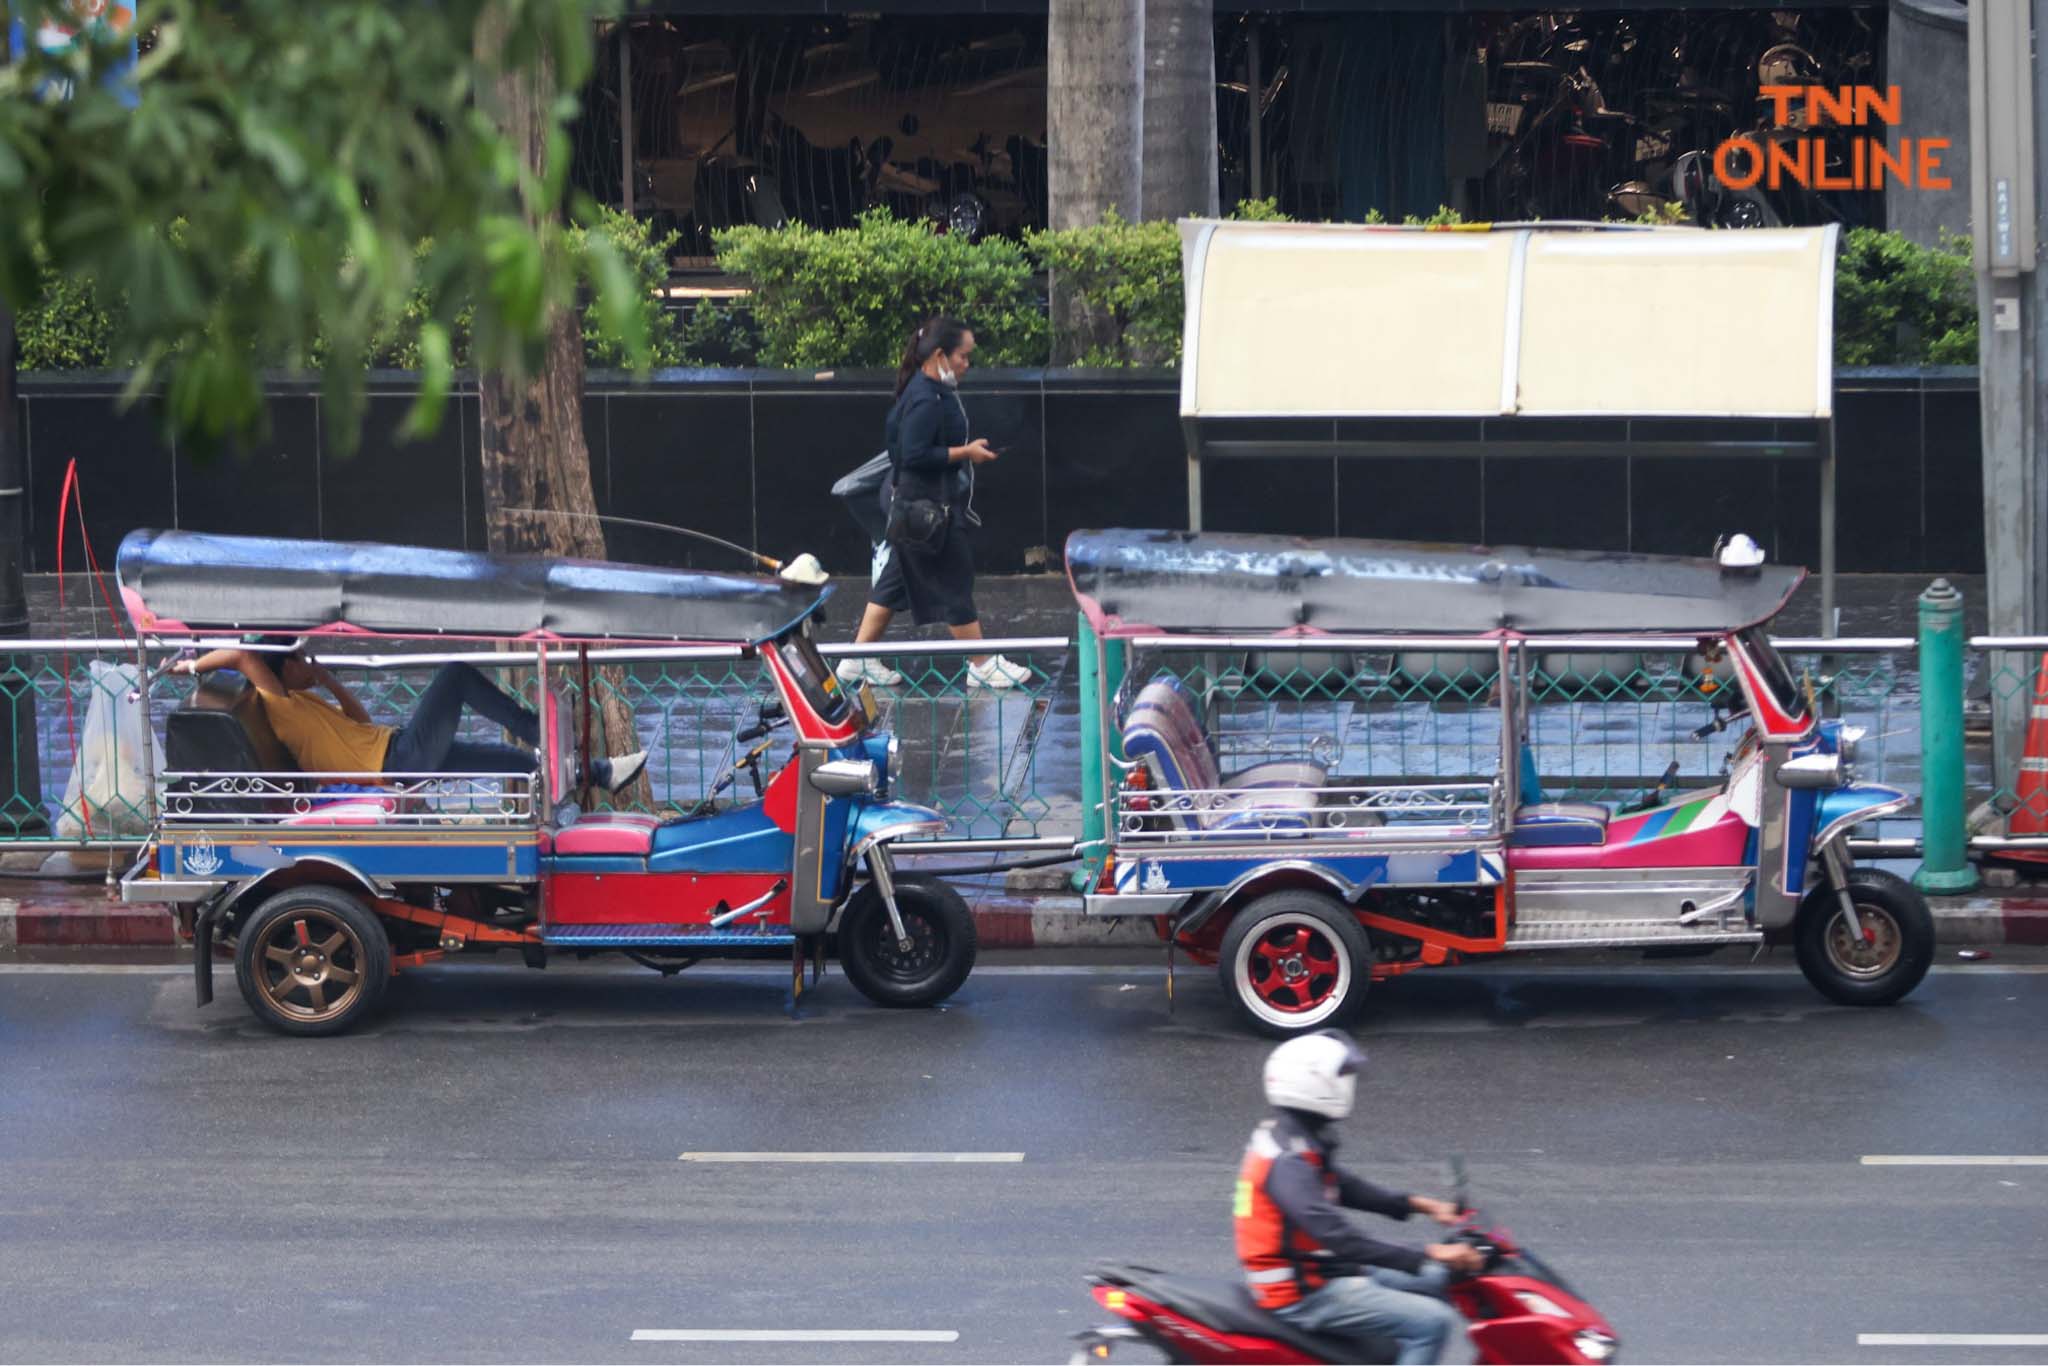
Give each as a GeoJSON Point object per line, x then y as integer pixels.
{"type": "Point", "coordinates": [428, 743]}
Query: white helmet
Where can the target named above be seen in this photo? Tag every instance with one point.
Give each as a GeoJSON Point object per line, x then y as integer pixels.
{"type": "Point", "coordinates": [1316, 1072]}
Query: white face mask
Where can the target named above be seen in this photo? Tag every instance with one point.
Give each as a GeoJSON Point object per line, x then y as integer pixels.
{"type": "Point", "coordinates": [946, 375]}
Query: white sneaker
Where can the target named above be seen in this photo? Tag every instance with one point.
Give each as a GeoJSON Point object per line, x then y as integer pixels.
{"type": "Point", "coordinates": [1019, 674]}
{"type": "Point", "coordinates": [990, 674]}
{"type": "Point", "coordinates": [851, 671]}
{"type": "Point", "coordinates": [614, 773]}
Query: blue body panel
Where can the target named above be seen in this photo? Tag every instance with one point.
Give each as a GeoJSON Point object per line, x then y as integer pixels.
{"type": "Point", "coordinates": [1440, 868]}
{"type": "Point", "coordinates": [662, 936]}
{"type": "Point", "coordinates": [1848, 801]}
{"type": "Point", "coordinates": [388, 855]}
{"type": "Point", "coordinates": [739, 840]}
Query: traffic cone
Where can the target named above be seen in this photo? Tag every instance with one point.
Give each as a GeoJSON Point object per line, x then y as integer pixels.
{"type": "Point", "coordinates": [2030, 792]}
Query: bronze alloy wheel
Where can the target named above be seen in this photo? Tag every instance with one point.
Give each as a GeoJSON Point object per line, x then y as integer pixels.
{"type": "Point", "coordinates": [312, 960]}
{"type": "Point", "coordinates": [311, 966]}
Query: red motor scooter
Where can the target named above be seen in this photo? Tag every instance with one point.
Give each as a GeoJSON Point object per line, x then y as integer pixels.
{"type": "Point", "coordinates": [1516, 1309]}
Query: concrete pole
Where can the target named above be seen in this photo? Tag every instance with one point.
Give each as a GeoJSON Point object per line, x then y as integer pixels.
{"type": "Point", "coordinates": [626, 118]}
{"type": "Point", "coordinates": [1095, 125]}
{"type": "Point", "coordinates": [1179, 161]}
{"type": "Point", "coordinates": [2005, 168]}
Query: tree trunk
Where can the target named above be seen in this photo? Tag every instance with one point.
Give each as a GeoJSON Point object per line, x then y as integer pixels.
{"type": "Point", "coordinates": [531, 444]}
{"type": "Point", "coordinates": [1179, 170]}
{"type": "Point", "coordinates": [1094, 117]}
{"type": "Point", "coordinates": [21, 784]}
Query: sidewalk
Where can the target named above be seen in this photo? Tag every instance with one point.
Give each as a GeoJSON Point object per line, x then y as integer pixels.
{"type": "Point", "coordinates": [44, 913]}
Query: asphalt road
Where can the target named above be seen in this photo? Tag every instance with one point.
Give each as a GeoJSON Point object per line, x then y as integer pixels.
{"type": "Point", "coordinates": [492, 1172]}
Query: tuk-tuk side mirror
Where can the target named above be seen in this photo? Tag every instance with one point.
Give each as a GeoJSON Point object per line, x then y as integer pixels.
{"type": "Point", "coordinates": [844, 778]}
{"type": "Point", "coordinates": [1811, 771]}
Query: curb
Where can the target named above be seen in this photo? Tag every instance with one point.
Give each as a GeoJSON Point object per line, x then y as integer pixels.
{"type": "Point", "coordinates": [84, 923]}
{"type": "Point", "coordinates": [1001, 921]}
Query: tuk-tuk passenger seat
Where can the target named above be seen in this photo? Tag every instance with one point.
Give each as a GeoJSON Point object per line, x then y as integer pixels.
{"type": "Point", "coordinates": [618, 834]}
{"type": "Point", "coordinates": [1552, 825]}
{"type": "Point", "coordinates": [222, 728]}
{"type": "Point", "coordinates": [1170, 697]}
{"type": "Point", "coordinates": [1162, 734]}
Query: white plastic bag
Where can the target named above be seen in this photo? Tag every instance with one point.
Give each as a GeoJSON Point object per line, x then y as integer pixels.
{"type": "Point", "coordinates": [108, 792]}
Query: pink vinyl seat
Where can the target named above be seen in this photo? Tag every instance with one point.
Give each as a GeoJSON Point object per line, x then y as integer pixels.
{"type": "Point", "coordinates": [617, 833]}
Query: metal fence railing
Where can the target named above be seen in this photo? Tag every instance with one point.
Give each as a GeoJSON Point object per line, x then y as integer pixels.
{"type": "Point", "coordinates": [1005, 764]}
{"type": "Point", "coordinates": [989, 758]}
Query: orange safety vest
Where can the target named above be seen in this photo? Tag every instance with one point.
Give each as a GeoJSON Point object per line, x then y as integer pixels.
{"type": "Point", "coordinates": [1279, 1259]}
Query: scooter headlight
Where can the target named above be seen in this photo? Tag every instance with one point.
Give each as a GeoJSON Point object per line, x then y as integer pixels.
{"type": "Point", "coordinates": [1595, 1345]}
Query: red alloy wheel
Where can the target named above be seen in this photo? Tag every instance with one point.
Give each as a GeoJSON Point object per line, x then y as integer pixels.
{"type": "Point", "coordinates": [1294, 968]}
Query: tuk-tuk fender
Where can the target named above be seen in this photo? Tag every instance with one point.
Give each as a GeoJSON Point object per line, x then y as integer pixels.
{"type": "Point", "coordinates": [298, 873]}
{"type": "Point", "coordinates": [874, 822]}
{"type": "Point", "coordinates": [1844, 807]}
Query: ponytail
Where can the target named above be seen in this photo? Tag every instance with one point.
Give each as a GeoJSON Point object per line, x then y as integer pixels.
{"type": "Point", "coordinates": [937, 334]}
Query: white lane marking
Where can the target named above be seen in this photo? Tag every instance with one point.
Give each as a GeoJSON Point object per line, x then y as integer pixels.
{"type": "Point", "coordinates": [101, 969]}
{"type": "Point", "coordinates": [794, 1335]}
{"type": "Point", "coordinates": [1952, 1339]}
{"type": "Point", "coordinates": [851, 1157]}
{"type": "Point", "coordinates": [1955, 1160]}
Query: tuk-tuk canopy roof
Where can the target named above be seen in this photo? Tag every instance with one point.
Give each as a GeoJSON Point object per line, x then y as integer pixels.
{"type": "Point", "coordinates": [1134, 583]}
{"type": "Point", "coordinates": [188, 582]}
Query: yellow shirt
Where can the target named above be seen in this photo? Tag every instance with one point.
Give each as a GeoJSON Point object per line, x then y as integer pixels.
{"type": "Point", "coordinates": [322, 737]}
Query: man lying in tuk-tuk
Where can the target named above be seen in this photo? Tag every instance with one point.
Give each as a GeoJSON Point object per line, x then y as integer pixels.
{"type": "Point", "coordinates": [324, 737]}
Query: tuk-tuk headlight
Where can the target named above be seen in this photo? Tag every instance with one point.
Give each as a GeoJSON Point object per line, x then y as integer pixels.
{"type": "Point", "coordinates": [1847, 738]}
{"type": "Point", "coordinates": [1595, 1345]}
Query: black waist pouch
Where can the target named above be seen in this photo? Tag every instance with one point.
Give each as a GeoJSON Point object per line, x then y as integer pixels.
{"type": "Point", "coordinates": [917, 524]}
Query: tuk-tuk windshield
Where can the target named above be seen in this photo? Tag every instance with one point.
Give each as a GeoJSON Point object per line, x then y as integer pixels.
{"type": "Point", "coordinates": [814, 679]}
{"type": "Point", "coordinates": [1777, 675]}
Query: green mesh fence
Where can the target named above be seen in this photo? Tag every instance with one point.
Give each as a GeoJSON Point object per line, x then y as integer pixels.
{"type": "Point", "coordinates": [1004, 762]}
{"type": "Point", "coordinates": [1605, 727]}
{"type": "Point", "coordinates": [991, 759]}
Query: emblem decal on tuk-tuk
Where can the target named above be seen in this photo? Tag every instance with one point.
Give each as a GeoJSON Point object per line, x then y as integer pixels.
{"type": "Point", "coordinates": [1155, 877]}
{"type": "Point", "coordinates": [201, 857]}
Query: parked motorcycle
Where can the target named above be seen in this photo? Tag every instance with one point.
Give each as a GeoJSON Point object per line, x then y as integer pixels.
{"type": "Point", "coordinates": [1517, 1309]}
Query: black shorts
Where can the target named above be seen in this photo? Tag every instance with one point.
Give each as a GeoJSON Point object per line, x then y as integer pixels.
{"type": "Point", "coordinates": [936, 587]}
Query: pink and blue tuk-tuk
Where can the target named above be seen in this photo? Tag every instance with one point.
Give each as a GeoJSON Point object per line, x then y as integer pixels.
{"type": "Point", "coordinates": [1305, 883]}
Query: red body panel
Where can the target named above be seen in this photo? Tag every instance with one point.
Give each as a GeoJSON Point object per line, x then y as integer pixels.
{"type": "Point", "coordinates": [659, 898]}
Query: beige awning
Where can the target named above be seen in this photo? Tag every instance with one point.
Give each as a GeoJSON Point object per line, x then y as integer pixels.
{"type": "Point", "coordinates": [1339, 320]}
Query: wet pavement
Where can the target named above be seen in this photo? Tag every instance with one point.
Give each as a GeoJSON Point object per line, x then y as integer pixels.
{"type": "Point", "coordinates": [490, 1171]}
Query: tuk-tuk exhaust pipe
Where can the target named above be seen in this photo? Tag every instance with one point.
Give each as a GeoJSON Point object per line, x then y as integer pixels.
{"type": "Point", "coordinates": [880, 869]}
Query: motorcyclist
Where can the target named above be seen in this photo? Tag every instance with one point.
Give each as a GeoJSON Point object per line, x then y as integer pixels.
{"type": "Point", "coordinates": [1308, 1262]}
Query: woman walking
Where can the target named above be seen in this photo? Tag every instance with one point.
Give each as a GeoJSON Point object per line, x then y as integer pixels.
{"type": "Point", "coordinates": [930, 569]}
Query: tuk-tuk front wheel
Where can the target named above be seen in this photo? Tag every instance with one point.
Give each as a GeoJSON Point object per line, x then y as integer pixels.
{"type": "Point", "coordinates": [1882, 962]}
{"type": "Point", "coordinates": [942, 943]}
{"type": "Point", "coordinates": [1294, 962]}
{"type": "Point", "coordinates": [312, 961]}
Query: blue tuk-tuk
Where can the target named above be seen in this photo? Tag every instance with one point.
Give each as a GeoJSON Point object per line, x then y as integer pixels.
{"type": "Point", "coordinates": [323, 885]}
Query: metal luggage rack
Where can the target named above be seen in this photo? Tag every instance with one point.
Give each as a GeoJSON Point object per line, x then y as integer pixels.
{"type": "Point", "coordinates": [408, 800]}
{"type": "Point", "coordinates": [1396, 812]}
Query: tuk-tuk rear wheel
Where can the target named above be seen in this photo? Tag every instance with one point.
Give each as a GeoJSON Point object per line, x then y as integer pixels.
{"type": "Point", "coordinates": [1294, 962]}
{"type": "Point", "coordinates": [1882, 964]}
{"type": "Point", "coordinates": [312, 961]}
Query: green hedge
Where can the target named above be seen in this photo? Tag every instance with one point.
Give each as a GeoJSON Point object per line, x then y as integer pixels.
{"type": "Point", "coordinates": [823, 299]}
{"type": "Point", "coordinates": [847, 298]}
{"type": "Point", "coordinates": [70, 328]}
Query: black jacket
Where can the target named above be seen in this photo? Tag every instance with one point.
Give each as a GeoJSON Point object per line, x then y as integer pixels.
{"type": "Point", "coordinates": [1297, 1187]}
{"type": "Point", "coordinates": [927, 422]}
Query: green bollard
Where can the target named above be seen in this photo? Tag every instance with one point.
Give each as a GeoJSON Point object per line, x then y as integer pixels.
{"type": "Point", "coordinates": [1945, 865]}
{"type": "Point", "coordinates": [1092, 815]}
